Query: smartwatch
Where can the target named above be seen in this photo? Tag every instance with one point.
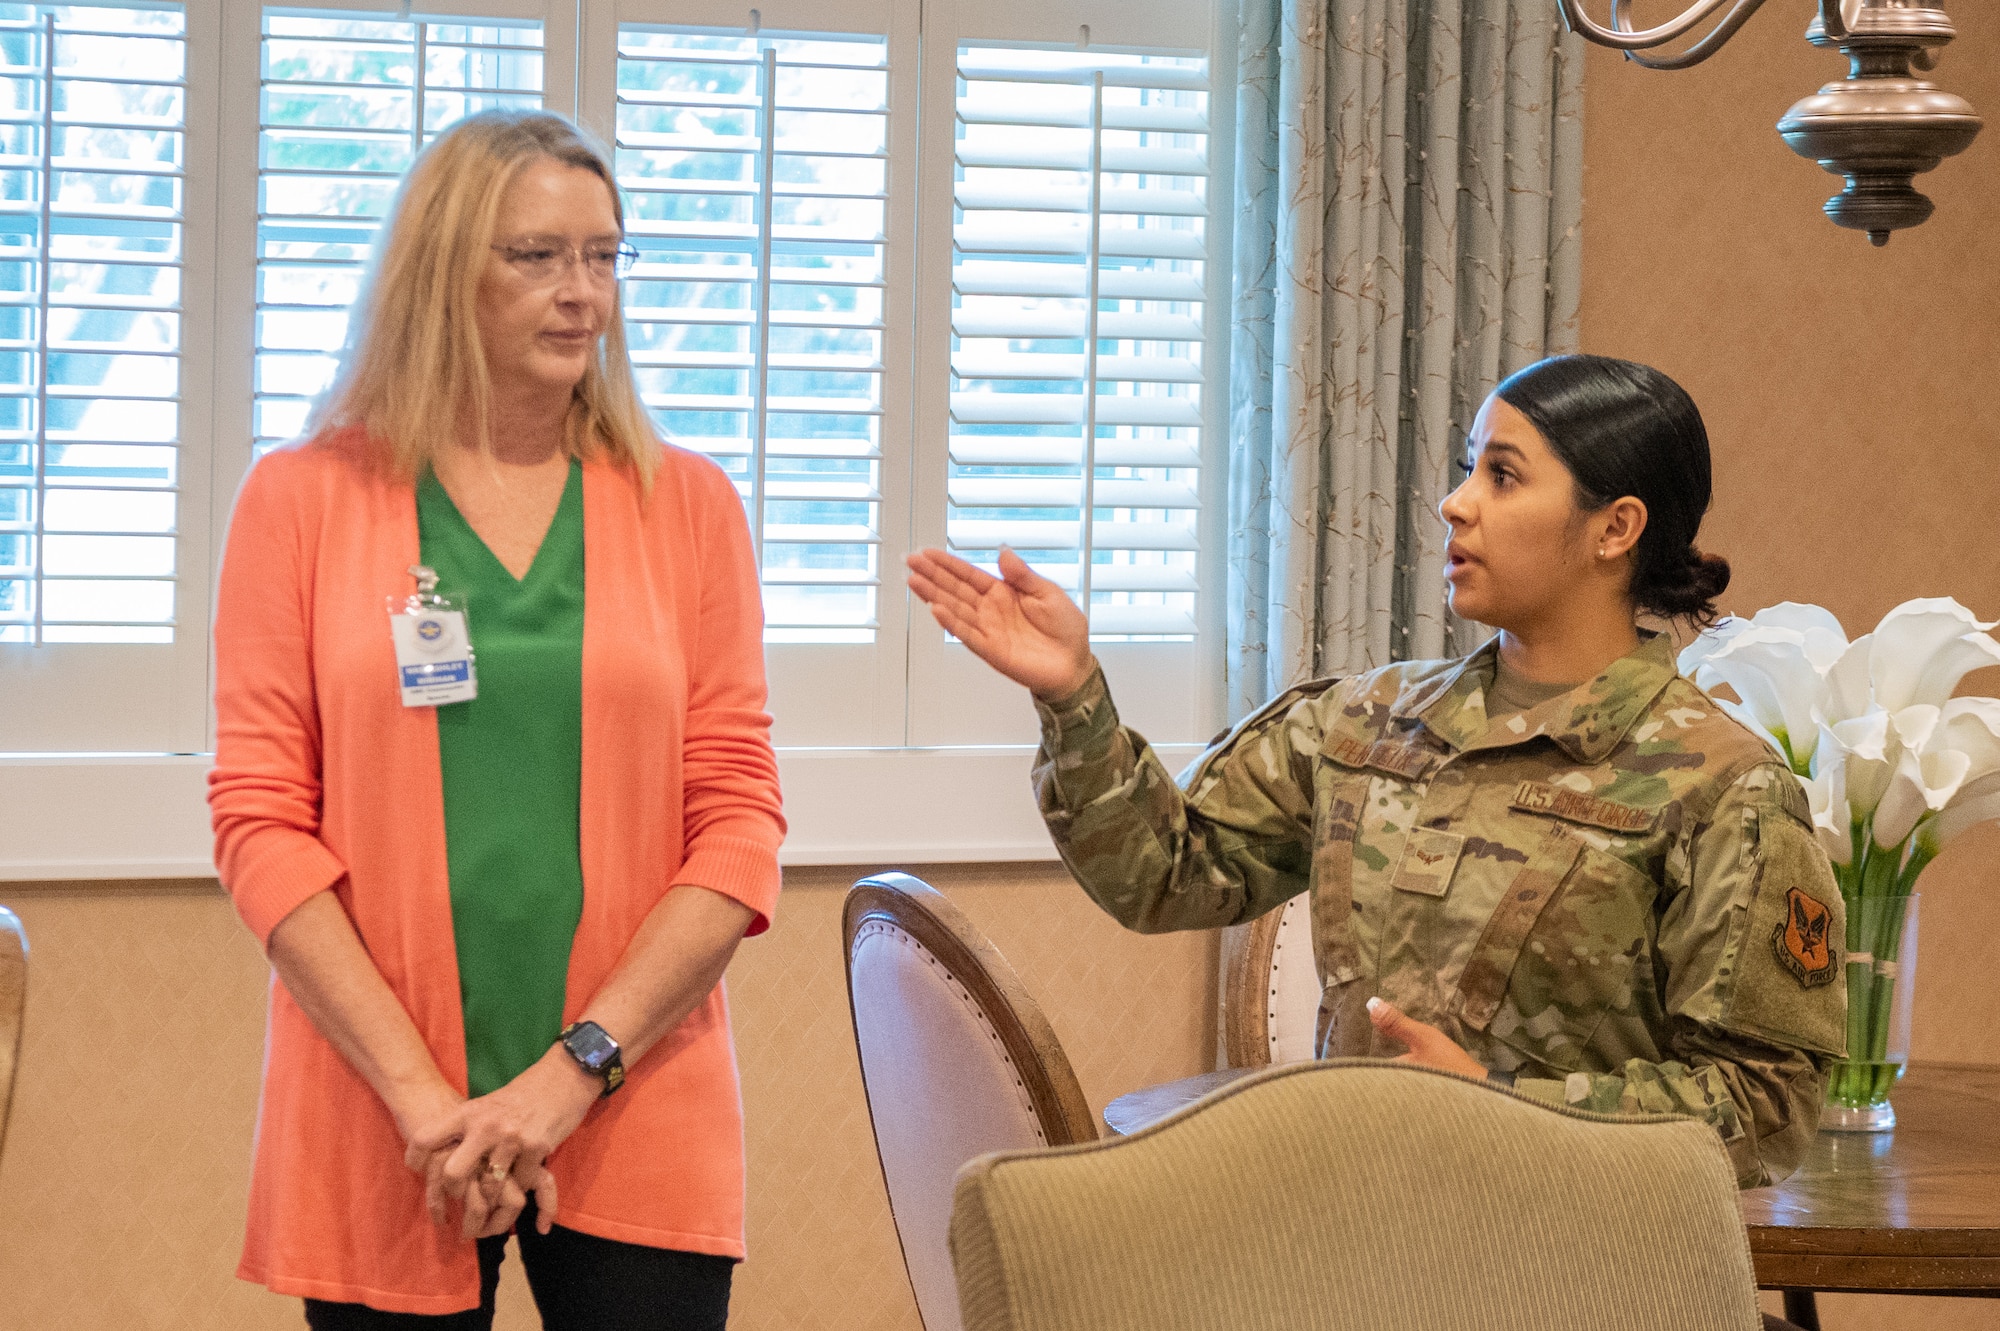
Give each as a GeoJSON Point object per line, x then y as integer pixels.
{"type": "Point", "coordinates": [595, 1052]}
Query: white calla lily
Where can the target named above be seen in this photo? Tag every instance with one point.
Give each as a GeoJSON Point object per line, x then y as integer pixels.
{"type": "Point", "coordinates": [1968, 726]}
{"type": "Point", "coordinates": [1962, 813]}
{"type": "Point", "coordinates": [1895, 770]}
{"type": "Point", "coordinates": [1694, 657]}
{"type": "Point", "coordinates": [1801, 617]}
{"type": "Point", "coordinates": [1867, 746]}
{"type": "Point", "coordinates": [1748, 720]}
{"type": "Point", "coordinates": [1870, 725]}
{"type": "Point", "coordinates": [1779, 685]}
{"type": "Point", "coordinates": [1821, 633]}
{"type": "Point", "coordinates": [1922, 649]}
{"type": "Point", "coordinates": [1827, 794]}
{"type": "Point", "coordinates": [1924, 783]}
{"type": "Point", "coordinates": [1849, 691]}
{"type": "Point", "coordinates": [1972, 726]}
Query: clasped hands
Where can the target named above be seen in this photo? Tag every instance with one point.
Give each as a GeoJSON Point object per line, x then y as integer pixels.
{"type": "Point", "coordinates": [486, 1155]}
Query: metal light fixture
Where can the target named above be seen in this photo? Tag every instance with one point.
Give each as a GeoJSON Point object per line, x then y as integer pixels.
{"type": "Point", "coordinates": [1879, 127]}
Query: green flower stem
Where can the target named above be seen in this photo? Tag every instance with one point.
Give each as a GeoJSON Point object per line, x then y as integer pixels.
{"type": "Point", "coordinates": [1874, 878]}
{"type": "Point", "coordinates": [1842, 1081]}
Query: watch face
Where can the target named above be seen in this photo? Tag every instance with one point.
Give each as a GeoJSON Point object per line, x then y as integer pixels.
{"type": "Point", "coordinates": [592, 1047]}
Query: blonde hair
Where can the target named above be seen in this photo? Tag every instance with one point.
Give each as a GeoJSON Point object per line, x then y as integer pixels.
{"type": "Point", "coordinates": [413, 373]}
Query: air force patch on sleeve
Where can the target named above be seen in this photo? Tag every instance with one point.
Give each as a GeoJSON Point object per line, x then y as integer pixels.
{"type": "Point", "coordinates": [1801, 942]}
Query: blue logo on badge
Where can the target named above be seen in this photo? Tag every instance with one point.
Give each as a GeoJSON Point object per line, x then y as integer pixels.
{"type": "Point", "coordinates": [429, 630]}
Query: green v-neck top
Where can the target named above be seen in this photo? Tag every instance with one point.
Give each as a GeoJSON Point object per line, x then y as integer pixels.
{"type": "Point", "coordinates": [512, 760]}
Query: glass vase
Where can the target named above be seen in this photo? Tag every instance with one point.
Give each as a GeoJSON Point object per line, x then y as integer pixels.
{"type": "Point", "coordinates": [1881, 986]}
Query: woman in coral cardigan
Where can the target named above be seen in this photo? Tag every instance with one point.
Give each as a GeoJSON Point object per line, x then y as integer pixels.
{"type": "Point", "coordinates": [498, 924]}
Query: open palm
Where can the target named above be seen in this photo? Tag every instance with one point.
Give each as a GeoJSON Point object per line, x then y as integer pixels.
{"type": "Point", "coordinates": [1021, 624]}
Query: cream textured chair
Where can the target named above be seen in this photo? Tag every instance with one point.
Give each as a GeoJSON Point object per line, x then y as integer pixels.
{"type": "Point", "coordinates": [1270, 988]}
{"type": "Point", "coordinates": [956, 1059]}
{"type": "Point", "coordinates": [13, 1001]}
{"type": "Point", "coordinates": [1364, 1195]}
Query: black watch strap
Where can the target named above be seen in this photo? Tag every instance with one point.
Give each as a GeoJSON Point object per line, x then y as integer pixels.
{"type": "Point", "coordinates": [595, 1052]}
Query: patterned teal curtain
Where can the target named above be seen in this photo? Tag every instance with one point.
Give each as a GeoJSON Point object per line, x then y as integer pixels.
{"type": "Point", "coordinates": [1409, 190]}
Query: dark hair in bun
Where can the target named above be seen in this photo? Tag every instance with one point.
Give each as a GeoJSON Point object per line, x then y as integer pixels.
{"type": "Point", "coordinates": [1622, 428]}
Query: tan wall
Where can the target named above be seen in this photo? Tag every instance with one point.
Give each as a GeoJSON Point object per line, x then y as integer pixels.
{"type": "Point", "coordinates": [126, 1166]}
{"type": "Point", "coordinates": [1849, 393]}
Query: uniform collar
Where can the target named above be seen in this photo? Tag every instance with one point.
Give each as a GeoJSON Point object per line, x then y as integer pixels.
{"type": "Point", "coordinates": [1587, 723]}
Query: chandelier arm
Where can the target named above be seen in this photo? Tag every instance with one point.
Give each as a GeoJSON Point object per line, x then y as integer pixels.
{"type": "Point", "coordinates": [1703, 49]}
{"type": "Point", "coordinates": [1833, 17]}
{"type": "Point", "coordinates": [1624, 39]}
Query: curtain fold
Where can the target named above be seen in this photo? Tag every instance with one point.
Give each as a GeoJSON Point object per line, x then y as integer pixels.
{"type": "Point", "coordinates": [1409, 190]}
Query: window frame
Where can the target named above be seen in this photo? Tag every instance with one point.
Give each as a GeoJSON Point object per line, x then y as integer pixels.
{"type": "Point", "coordinates": [1167, 689]}
{"type": "Point", "coordinates": [158, 692]}
{"type": "Point", "coordinates": [911, 725]}
{"type": "Point", "coordinates": [825, 695]}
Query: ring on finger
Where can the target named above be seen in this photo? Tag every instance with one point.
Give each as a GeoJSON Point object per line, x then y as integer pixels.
{"type": "Point", "coordinates": [497, 1172]}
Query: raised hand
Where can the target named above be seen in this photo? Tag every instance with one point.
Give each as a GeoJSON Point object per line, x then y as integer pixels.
{"type": "Point", "coordinates": [1020, 623]}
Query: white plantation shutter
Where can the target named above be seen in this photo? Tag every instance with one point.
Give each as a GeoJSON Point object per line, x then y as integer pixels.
{"type": "Point", "coordinates": [345, 104]}
{"type": "Point", "coordinates": [1078, 273]}
{"type": "Point", "coordinates": [755, 170]}
{"type": "Point", "coordinates": [92, 113]}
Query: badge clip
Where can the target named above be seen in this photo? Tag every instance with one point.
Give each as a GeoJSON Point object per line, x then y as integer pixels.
{"type": "Point", "coordinates": [433, 647]}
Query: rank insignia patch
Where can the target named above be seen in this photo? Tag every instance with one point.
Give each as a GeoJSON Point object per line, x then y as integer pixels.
{"type": "Point", "coordinates": [1428, 862]}
{"type": "Point", "coordinates": [1801, 942]}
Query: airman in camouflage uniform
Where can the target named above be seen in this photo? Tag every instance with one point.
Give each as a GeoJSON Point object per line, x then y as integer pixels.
{"type": "Point", "coordinates": [1614, 896]}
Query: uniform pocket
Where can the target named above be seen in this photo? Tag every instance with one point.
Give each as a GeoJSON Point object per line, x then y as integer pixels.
{"type": "Point", "coordinates": [1576, 963]}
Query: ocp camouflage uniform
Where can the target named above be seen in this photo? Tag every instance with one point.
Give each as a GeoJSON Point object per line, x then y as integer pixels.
{"type": "Point", "coordinates": [1615, 896]}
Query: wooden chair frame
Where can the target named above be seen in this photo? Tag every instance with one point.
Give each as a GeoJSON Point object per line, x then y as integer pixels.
{"type": "Point", "coordinates": [13, 1005]}
{"type": "Point", "coordinates": [921, 911]}
{"type": "Point", "coordinates": [1247, 951]}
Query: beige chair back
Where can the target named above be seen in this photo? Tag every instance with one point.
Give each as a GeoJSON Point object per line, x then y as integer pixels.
{"type": "Point", "coordinates": [13, 1002]}
{"type": "Point", "coordinates": [956, 1060]}
{"type": "Point", "coordinates": [1365, 1195]}
{"type": "Point", "coordinates": [1270, 988]}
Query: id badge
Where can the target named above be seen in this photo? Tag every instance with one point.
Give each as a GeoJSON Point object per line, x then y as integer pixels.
{"type": "Point", "coordinates": [433, 649]}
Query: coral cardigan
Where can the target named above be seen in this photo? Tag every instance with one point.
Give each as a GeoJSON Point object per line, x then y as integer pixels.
{"type": "Point", "coordinates": [324, 780]}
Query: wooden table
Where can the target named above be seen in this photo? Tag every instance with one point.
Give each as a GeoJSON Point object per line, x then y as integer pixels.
{"type": "Point", "coordinates": [1913, 1211]}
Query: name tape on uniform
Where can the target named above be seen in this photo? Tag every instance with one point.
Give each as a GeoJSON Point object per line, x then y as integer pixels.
{"type": "Point", "coordinates": [1576, 807]}
{"type": "Point", "coordinates": [1408, 761]}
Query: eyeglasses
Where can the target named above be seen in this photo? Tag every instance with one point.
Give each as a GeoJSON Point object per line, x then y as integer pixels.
{"type": "Point", "coordinates": [542, 263]}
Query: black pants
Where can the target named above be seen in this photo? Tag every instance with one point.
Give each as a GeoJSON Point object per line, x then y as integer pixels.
{"type": "Point", "coordinates": [580, 1282]}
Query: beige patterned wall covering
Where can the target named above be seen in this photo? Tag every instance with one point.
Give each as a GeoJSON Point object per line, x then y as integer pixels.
{"type": "Point", "coordinates": [122, 1187]}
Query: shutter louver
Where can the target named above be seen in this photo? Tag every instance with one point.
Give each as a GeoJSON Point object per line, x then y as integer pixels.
{"type": "Point", "coordinates": [345, 105]}
{"type": "Point", "coordinates": [756, 173]}
{"type": "Point", "coordinates": [92, 114]}
{"type": "Point", "coordinates": [1078, 274]}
